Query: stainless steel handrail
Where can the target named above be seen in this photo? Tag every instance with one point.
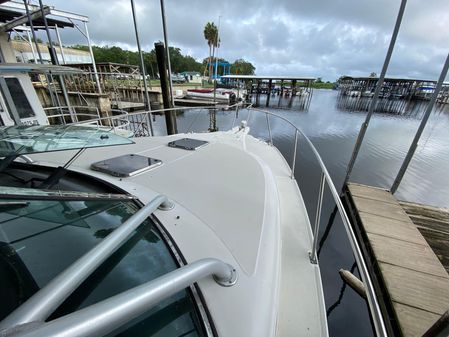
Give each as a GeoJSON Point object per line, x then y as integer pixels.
{"type": "Point", "coordinates": [104, 317]}
{"type": "Point", "coordinates": [376, 313]}
{"type": "Point", "coordinates": [42, 304]}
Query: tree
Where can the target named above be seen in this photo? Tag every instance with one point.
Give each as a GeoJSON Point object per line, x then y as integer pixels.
{"type": "Point", "coordinates": [242, 67]}
{"type": "Point", "coordinates": [210, 34]}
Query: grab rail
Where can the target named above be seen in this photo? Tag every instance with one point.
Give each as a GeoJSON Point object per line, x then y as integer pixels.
{"type": "Point", "coordinates": [42, 304]}
{"type": "Point", "coordinates": [326, 179]}
{"type": "Point", "coordinates": [104, 317]}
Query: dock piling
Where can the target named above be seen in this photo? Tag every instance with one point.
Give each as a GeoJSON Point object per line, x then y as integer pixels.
{"type": "Point", "coordinates": [170, 117]}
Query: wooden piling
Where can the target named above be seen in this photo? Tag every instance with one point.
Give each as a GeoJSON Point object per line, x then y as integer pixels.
{"type": "Point", "coordinates": [270, 82]}
{"type": "Point", "coordinates": [170, 116]}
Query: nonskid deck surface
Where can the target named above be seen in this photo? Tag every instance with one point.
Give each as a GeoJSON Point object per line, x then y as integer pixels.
{"type": "Point", "coordinates": [235, 201]}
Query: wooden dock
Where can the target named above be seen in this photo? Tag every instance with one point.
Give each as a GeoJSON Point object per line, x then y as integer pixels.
{"type": "Point", "coordinates": [406, 256]}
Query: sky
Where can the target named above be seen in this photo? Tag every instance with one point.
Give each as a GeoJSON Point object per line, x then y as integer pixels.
{"type": "Point", "coordinates": [319, 38]}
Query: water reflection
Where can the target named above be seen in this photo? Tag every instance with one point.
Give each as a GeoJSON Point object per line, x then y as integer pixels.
{"type": "Point", "coordinates": [333, 127]}
{"type": "Point", "coordinates": [390, 105]}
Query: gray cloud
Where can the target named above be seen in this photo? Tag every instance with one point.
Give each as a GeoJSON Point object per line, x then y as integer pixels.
{"type": "Point", "coordinates": [326, 38]}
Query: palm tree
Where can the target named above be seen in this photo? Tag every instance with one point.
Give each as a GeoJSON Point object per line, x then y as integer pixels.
{"type": "Point", "coordinates": [210, 34]}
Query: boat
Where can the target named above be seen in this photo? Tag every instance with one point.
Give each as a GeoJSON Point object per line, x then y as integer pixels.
{"type": "Point", "coordinates": [424, 90]}
{"type": "Point", "coordinates": [219, 94]}
{"type": "Point", "coordinates": [253, 234]}
{"type": "Point", "coordinates": [199, 234]}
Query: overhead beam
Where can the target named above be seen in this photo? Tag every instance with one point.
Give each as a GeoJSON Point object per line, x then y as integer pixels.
{"type": "Point", "coordinates": [36, 14]}
{"type": "Point", "coordinates": [53, 11]}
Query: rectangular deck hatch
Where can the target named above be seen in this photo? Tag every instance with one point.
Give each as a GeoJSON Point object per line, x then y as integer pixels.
{"type": "Point", "coordinates": [126, 165]}
{"type": "Point", "coordinates": [188, 144]}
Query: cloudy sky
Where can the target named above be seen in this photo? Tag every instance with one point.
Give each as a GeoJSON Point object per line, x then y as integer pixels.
{"type": "Point", "coordinates": [321, 38]}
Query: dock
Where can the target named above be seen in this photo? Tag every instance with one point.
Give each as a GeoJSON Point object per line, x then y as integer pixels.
{"type": "Point", "coordinates": [407, 246]}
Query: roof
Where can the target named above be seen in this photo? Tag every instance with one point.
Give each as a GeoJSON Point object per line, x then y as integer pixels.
{"type": "Point", "coordinates": [387, 79]}
{"type": "Point", "coordinates": [8, 14]}
{"type": "Point", "coordinates": [268, 77]}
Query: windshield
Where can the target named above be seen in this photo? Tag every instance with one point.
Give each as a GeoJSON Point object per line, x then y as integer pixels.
{"type": "Point", "coordinates": [19, 140]}
{"type": "Point", "coordinates": [40, 238]}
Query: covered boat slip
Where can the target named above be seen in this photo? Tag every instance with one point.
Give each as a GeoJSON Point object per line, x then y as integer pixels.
{"type": "Point", "coordinates": [414, 283]}
{"type": "Point", "coordinates": [234, 200]}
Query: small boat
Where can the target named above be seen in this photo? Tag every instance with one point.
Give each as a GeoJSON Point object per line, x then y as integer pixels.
{"type": "Point", "coordinates": [222, 95]}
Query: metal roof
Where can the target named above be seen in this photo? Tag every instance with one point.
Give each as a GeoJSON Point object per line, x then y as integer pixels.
{"type": "Point", "coordinates": [387, 79]}
{"type": "Point", "coordinates": [8, 14]}
{"type": "Point", "coordinates": [268, 77]}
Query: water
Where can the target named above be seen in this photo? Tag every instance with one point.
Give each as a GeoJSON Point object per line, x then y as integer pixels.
{"type": "Point", "coordinates": [332, 125]}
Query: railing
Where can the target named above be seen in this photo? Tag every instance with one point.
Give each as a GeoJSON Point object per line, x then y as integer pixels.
{"type": "Point", "coordinates": [76, 115]}
{"type": "Point", "coordinates": [106, 316]}
{"type": "Point", "coordinates": [326, 179]}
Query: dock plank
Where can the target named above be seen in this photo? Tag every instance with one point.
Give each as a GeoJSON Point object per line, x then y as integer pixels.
{"type": "Point", "coordinates": [439, 243]}
{"type": "Point", "coordinates": [380, 208]}
{"type": "Point", "coordinates": [374, 193]}
{"type": "Point", "coordinates": [392, 228]}
{"type": "Point", "coordinates": [432, 212]}
{"type": "Point", "coordinates": [419, 290]}
{"type": "Point", "coordinates": [414, 322]}
{"type": "Point", "coordinates": [409, 255]}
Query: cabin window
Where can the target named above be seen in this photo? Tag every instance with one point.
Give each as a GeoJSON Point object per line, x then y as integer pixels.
{"type": "Point", "coordinates": [40, 238]}
{"type": "Point", "coordinates": [19, 98]}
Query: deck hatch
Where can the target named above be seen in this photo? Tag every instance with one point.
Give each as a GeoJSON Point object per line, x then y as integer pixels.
{"type": "Point", "coordinates": [126, 165]}
{"type": "Point", "coordinates": [188, 144]}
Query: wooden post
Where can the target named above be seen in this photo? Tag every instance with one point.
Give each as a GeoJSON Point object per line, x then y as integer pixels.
{"type": "Point", "coordinates": [170, 117]}
{"type": "Point", "coordinates": [257, 92]}
{"type": "Point", "coordinates": [293, 87]}
{"type": "Point", "coordinates": [270, 82]}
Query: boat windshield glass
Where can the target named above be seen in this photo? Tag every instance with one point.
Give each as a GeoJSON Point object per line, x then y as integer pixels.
{"type": "Point", "coordinates": [19, 140]}
{"type": "Point", "coordinates": [40, 238]}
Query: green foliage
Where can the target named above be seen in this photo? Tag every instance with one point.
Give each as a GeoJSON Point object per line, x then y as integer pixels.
{"type": "Point", "coordinates": [242, 67]}
{"type": "Point", "coordinates": [179, 62]}
{"type": "Point", "coordinates": [210, 34]}
{"type": "Point", "coordinates": [322, 85]}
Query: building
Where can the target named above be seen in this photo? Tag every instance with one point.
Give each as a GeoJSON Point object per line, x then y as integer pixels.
{"type": "Point", "coordinates": [24, 53]}
{"type": "Point", "coordinates": [192, 76]}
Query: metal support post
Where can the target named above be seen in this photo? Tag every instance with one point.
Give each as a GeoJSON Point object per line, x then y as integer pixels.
{"type": "Point", "coordinates": [56, 62]}
{"type": "Point", "coordinates": [294, 154]}
{"type": "Point", "coordinates": [270, 83]}
{"type": "Point", "coordinates": [269, 128]}
{"type": "Point", "coordinates": [33, 32]}
{"type": "Point", "coordinates": [164, 26]}
{"type": "Point", "coordinates": [376, 93]}
{"type": "Point", "coordinates": [30, 41]}
{"type": "Point", "coordinates": [312, 255]}
{"type": "Point", "coordinates": [60, 44]}
{"type": "Point", "coordinates": [418, 134]}
{"type": "Point", "coordinates": [142, 68]}
{"type": "Point", "coordinates": [97, 80]}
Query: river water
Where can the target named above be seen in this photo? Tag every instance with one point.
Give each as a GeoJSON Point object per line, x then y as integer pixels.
{"type": "Point", "coordinates": [332, 124]}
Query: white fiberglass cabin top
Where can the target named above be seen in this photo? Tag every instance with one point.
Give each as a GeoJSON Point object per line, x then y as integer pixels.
{"type": "Point", "coordinates": [232, 199]}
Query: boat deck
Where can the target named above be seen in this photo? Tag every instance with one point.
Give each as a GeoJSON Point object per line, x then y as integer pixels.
{"type": "Point", "coordinates": [406, 255]}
